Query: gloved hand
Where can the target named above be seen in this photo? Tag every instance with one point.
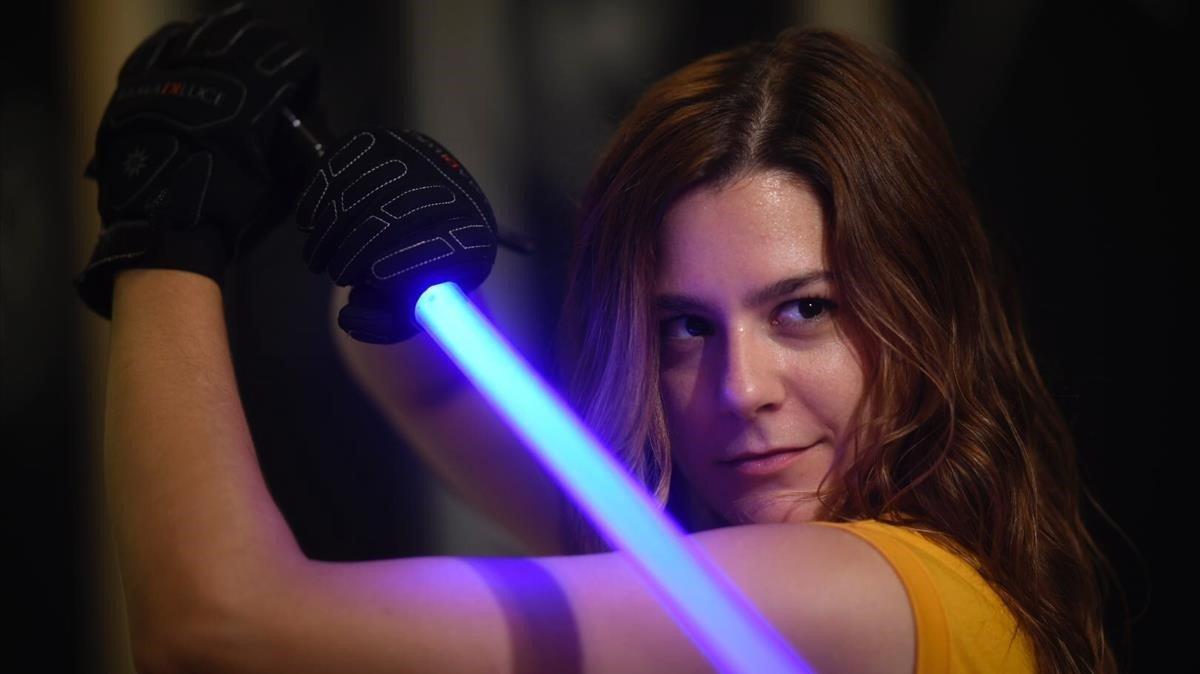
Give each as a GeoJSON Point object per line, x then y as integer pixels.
{"type": "Point", "coordinates": [189, 158]}
{"type": "Point", "coordinates": [392, 213]}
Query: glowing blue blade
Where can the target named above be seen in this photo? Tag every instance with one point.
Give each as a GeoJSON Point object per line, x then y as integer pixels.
{"type": "Point", "coordinates": [718, 618]}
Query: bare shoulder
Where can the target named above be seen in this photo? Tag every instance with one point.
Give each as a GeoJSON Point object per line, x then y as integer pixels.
{"type": "Point", "coordinates": [828, 590]}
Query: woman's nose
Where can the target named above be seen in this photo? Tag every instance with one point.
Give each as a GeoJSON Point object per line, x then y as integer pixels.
{"type": "Point", "coordinates": [751, 383]}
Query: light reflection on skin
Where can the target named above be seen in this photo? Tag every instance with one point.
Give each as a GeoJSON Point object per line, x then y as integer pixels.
{"type": "Point", "coordinates": [738, 377]}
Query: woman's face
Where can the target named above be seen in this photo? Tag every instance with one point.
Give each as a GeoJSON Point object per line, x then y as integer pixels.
{"type": "Point", "coordinates": [752, 361]}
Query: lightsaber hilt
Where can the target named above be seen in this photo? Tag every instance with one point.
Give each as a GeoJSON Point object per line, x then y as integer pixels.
{"type": "Point", "coordinates": [306, 135]}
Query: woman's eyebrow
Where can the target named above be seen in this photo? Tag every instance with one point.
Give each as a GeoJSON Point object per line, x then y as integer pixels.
{"type": "Point", "coordinates": [673, 302]}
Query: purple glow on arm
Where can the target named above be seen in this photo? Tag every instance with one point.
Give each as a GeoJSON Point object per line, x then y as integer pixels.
{"type": "Point", "coordinates": [698, 595]}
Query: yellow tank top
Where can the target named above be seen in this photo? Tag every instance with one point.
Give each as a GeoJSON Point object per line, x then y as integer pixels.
{"type": "Point", "coordinates": [962, 625]}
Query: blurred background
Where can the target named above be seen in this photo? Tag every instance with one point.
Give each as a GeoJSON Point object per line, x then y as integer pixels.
{"type": "Point", "coordinates": [1066, 116]}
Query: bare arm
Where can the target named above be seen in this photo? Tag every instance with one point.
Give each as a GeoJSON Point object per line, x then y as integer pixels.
{"type": "Point", "coordinates": [828, 592]}
{"type": "Point", "coordinates": [194, 522]}
{"type": "Point", "coordinates": [216, 582]}
{"type": "Point", "coordinates": [453, 429]}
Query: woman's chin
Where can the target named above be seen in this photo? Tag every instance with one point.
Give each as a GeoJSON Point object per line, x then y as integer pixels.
{"type": "Point", "coordinates": [776, 508]}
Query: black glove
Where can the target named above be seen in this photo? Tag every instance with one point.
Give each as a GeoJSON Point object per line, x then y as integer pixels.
{"type": "Point", "coordinates": [392, 213]}
{"type": "Point", "coordinates": [190, 163]}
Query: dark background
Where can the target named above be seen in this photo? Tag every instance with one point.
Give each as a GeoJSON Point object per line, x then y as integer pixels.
{"type": "Point", "coordinates": [1067, 117]}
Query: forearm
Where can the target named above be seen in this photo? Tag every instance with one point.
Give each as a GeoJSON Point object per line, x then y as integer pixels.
{"type": "Point", "coordinates": [195, 525]}
{"type": "Point", "coordinates": [447, 423]}
{"type": "Point", "coordinates": [419, 374]}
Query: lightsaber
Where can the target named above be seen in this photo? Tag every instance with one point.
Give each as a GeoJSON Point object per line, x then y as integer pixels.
{"type": "Point", "coordinates": [722, 623]}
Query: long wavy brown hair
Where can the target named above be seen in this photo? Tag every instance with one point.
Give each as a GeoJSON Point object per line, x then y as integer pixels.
{"type": "Point", "coordinates": [956, 431]}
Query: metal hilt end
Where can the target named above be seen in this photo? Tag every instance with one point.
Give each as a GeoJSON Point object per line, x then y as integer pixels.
{"type": "Point", "coordinates": [311, 140]}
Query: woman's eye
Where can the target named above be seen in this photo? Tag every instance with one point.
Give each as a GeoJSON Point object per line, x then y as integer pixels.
{"type": "Point", "coordinates": [683, 327]}
{"type": "Point", "coordinates": [799, 314]}
{"type": "Point", "coordinates": [804, 311]}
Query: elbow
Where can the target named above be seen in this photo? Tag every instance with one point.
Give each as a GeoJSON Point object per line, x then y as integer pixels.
{"type": "Point", "coordinates": [154, 657]}
{"type": "Point", "coordinates": [200, 635]}
{"type": "Point", "coordinates": [159, 648]}
{"type": "Point", "coordinates": [156, 619]}
{"type": "Point", "coordinates": [210, 618]}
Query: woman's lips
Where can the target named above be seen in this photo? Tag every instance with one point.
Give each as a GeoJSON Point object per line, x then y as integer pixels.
{"type": "Point", "coordinates": [766, 462]}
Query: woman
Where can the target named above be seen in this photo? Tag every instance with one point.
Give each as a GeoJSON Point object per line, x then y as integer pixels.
{"type": "Point", "coordinates": [927, 407]}
{"type": "Point", "coordinates": [777, 256]}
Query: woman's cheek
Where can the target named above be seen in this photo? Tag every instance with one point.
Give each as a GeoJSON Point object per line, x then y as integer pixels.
{"type": "Point", "coordinates": [836, 388]}
{"type": "Point", "coordinates": [675, 387]}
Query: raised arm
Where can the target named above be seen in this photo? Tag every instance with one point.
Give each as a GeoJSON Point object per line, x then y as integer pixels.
{"type": "Point", "coordinates": [196, 528]}
{"type": "Point", "coordinates": [214, 580]}
{"type": "Point", "coordinates": [453, 429]}
{"type": "Point", "coordinates": [216, 583]}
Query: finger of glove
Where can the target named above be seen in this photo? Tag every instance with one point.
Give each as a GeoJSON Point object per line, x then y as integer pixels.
{"type": "Point", "coordinates": [437, 158]}
{"type": "Point", "coordinates": [357, 191]}
{"type": "Point", "coordinates": [151, 50]}
{"type": "Point", "coordinates": [210, 32]}
{"type": "Point", "coordinates": [462, 252]}
{"type": "Point", "coordinates": [271, 52]}
{"type": "Point", "coordinates": [321, 186]}
{"type": "Point", "coordinates": [311, 199]}
{"type": "Point", "coordinates": [410, 225]}
{"type": "Point", "coordinates": [407, 270]}
{"type": "Point", "coordinates": [279, 73]}
{"type": "Point", "coordinates": [261, 52]}
{"type": "Point", "coordinates": [292, 73]}
{"type": "Point", "coordinates": [352, 251]}
{"type": "Point", "coordinates": [329, 227]}
{"type": "Point", "coordinates": [374, 316]}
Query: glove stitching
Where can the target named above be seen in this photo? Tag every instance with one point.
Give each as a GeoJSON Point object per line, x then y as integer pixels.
{"type": "Point", "coordinates": [124, 224]}
{"type": "Point", "coordinates": [232, 41]}
{"type": "Point", "coordinates": [346, 208]}
{"type": "Point", "coordinates": [150, 180]}
{"type": "Point", "coordinates": [115, 256]}
{"type": "Point", "coordinates": [321, 240]}
{"type": "Point", "coordinates": [448, 178]}
{"type": "Point", "coordinates": [263, 69]}
{"type": "Point", "coordinates": [411, 267]}
{"type": "Point", "coordinates": [208, 21]}
{"type": "Point", "coordinates": [228, 11]}
{"type": "Point", "coordinates": [389, 224]}
{"type": "Point", "coordinates": [337, 173]}
{"type": "Point", "coordinates": [162, 43]}
{"type": "Point", "coordinates": [460, 243]}
{"type": "Point", "coordinates": [320, 174]}
{"type": "Point", "coordinates": [254, 120]}
{"type": "Point", "coordinates": [384, 207]}
{"type": "Point", "coordinates": [204, 190]}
